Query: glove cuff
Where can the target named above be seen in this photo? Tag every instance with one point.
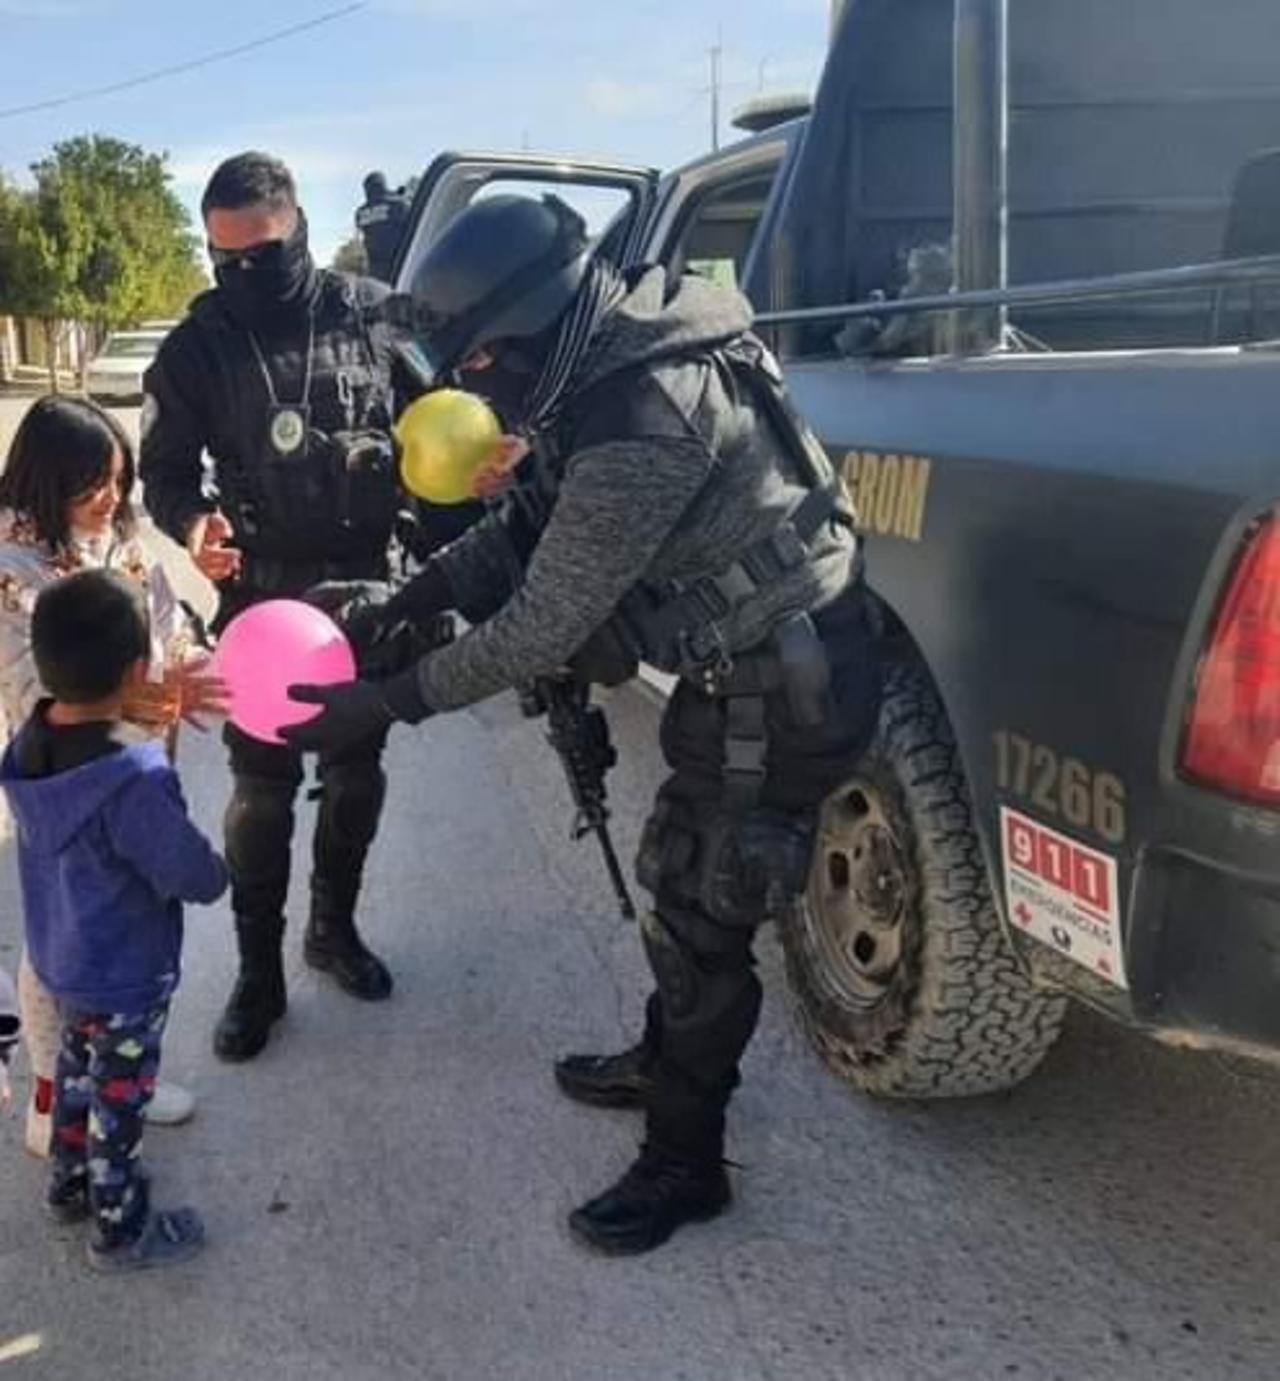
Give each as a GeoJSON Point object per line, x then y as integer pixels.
{"type": "Point", "coordinates": [426, 595]}
{"type": "Point", "coordinates": [403, 697]}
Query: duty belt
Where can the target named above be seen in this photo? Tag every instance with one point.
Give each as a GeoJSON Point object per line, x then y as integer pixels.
{"type": "Point", "coordinates": [692, 619]}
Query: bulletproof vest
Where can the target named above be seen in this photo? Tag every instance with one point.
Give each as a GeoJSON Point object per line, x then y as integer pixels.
{"type": "Point", "coordinates": [301, 444]}
{"type": "Point", "coordinates": [681, 628]}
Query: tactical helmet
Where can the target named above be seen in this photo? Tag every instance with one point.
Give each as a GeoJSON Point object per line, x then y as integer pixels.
{"type": "Point", "coordinates": [375, 186]}
{"type": "Point", "coordinates": [507, 268]}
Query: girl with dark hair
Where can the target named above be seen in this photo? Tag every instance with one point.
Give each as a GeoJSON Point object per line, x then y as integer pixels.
{"type": "Point", "coordinates": [65, 506]}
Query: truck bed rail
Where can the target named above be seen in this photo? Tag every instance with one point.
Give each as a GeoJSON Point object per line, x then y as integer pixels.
{"type": "Point", "coordinates": [1224, 273]}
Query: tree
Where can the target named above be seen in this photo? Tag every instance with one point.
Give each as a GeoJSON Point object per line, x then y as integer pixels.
{"type": "Point", "coordinates": [101, 241]}
{"type": "Point", "coordinates": [350, 256]}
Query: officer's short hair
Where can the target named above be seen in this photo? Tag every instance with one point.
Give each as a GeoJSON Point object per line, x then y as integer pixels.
{"type": "Point", "coordinates": [250, 179]}
{"type": "Point", "coordinates": [86, 632]}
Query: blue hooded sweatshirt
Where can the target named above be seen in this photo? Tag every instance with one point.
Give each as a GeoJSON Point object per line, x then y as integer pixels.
{"type": "Point", "coordinates": [107, 855]}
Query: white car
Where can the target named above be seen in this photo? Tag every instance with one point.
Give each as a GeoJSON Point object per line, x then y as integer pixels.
{"type": "Point", "coordinates": [117, 369]}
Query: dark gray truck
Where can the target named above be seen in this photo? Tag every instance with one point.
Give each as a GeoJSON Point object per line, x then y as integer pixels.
{"type": "Point", "coordinates": [1022, 264]}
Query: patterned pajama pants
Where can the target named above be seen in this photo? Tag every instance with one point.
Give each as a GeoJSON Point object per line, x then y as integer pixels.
{"type": "Point", "coordinates": [105, 1077]}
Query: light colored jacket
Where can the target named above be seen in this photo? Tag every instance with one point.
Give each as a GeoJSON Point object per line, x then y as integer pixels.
{"type": "Point", "coordinates": [27, 565]}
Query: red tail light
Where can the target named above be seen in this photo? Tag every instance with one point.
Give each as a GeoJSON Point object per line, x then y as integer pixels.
{"type": "Point", "coordinates": [1233, 734]}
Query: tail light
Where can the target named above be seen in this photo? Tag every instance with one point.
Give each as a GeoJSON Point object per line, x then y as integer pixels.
{"type": "Point", "coordinates": [1233, 732]}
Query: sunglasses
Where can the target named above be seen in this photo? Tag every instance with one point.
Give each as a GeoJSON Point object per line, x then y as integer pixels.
{"type": "Point", "coordinates": [250, 258]}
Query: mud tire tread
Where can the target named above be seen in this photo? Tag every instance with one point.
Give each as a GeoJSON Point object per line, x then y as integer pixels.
{"type": "Point", "coordinates": [961, 1017]}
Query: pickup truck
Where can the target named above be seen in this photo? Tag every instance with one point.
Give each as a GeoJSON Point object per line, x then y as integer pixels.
{"type": "Point", "coordinates": [1020, 264]}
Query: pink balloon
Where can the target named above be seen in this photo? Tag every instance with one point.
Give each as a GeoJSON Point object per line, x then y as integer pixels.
{"type": "Point", "coordinates": [270, 647]}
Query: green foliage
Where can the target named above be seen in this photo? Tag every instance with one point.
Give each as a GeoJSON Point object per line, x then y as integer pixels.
{"type": "Point", "coordinates": [102, 238]}
{"type": "Point", "coordinates": [350, 256]}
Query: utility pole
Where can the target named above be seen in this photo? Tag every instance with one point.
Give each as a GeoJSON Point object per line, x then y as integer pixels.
{"type": "Point", "coordinates": [716, 51]}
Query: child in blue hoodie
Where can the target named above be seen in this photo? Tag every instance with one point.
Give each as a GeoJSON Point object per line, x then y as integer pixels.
{"type": "Point", "coordinates": [106, 855]}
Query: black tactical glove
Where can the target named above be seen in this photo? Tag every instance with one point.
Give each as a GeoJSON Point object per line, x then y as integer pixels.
{"type": "Point", "coordinates": [369, 611]}
{"type": "Point", "coordinates": [355, 711]}
{"type": "Point", "coordinates": [335, 597]}
{"type": "Point", "coordinates": [358, 607]}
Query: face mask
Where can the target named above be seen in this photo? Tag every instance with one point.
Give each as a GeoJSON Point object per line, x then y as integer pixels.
{"type": "Point", "coordinates": [509, 380]}
{"type": "Point", "coordinates": [507, 390]}
{"type": "Point", "coordinates": [269, 280]}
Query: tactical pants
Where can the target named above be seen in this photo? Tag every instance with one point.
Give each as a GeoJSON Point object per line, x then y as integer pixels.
{"type": "Point", "coordinates": [721, 856]}
{"type": "Point", "coordinates": [259, 825]}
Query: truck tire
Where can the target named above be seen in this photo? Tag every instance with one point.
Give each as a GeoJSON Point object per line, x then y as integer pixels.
{"type": "Point", "coordinates": [903, 980]}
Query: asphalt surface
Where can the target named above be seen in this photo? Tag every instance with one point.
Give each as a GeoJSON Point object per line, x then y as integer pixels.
{"type": "Point", "coordinates": [386, 1187]}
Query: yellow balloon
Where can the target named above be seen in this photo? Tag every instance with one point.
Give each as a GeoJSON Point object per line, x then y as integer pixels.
{"type": "Point", "coordinates": [445, 438]}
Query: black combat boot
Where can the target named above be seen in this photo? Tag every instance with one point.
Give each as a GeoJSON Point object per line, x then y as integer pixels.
{"type": "Point", "coordinates": [608, 1081]}
{"type": "Point", "coordinates": [333, 945]}
{"type": "Point", "coordinates": [660, 1193]}
{"type": "Point", "coordinates": [616, 1081]}
{"type": "Point", "coordinates": [258, 999]}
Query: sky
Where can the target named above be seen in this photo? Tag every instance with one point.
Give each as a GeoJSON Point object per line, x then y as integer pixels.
{"type": "Point", "coordinates": [395, 83]}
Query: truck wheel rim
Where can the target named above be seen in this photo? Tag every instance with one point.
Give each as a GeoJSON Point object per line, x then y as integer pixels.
{"type": "Point", "coordinates": [858, 894]}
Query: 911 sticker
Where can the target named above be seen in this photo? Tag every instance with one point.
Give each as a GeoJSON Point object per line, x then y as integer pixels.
{"type": "Point", "coordinates": [1063, 894]}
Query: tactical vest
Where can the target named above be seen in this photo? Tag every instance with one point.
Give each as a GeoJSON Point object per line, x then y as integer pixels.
{"type": "Point", "coordinates": [329, 503]}
{"type": "Point", "coordinates": [682, 627]}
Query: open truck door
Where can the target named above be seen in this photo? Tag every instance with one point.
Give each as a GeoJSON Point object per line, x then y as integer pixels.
{"type": "Point", "coordinates": [617, 199]}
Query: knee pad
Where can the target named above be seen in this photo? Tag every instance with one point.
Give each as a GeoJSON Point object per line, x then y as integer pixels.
{"type": "Point", "coordinates": [259, 824]}
{"type": "Point", "coordinates": [673, 968]}
{"type": "Point", "coordinates": [351, 797]}
{"type": "Point", "coordinates": [706, 983]}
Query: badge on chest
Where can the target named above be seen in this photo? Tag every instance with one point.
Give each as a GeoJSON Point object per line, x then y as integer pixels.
{"type": "Point", "coordinates": [287, 425]}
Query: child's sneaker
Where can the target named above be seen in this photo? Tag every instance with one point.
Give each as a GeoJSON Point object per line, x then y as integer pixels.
{"type": "Point", "coordinates": [39, 1137]}
{"type": "Point", "coordinates": [69, 1203]}
{"type": "Point", "coordinates": [170, 1105]}
{"type": "Point", "coordinates": [167, 1238]}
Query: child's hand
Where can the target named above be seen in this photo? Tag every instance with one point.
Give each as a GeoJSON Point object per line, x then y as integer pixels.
{"type": "Point", "coordinates": [499, 472]}
{"type": "Point", "coordinates": [200, 693]}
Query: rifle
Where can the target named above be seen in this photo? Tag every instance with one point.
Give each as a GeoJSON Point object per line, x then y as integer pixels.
{"type": "Point", "coordinates": [579, 733]}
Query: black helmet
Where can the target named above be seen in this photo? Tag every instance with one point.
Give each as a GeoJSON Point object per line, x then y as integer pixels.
{"type": "Point", "coordinates": [375, 186]}
{"type": "Point", "coordinates": [507, 268]}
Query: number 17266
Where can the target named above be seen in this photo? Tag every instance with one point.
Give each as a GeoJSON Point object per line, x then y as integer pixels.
{"type": "Point", "coordinates": [1061, 788]}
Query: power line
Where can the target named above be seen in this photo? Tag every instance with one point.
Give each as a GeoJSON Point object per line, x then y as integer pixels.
{"type": "Point", "coordinates": [160, 73]}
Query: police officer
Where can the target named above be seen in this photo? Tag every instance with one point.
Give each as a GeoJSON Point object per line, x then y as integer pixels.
{"type": "Point", "coordinates": [381, 222]}
{"type": "Point", "coordinates": [679, 513]}
{"type": "Point", "coordinates": [282, 376]}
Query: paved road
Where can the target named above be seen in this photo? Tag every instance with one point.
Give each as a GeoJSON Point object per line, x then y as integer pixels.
{"type": "Point", "coordinates": [386, 1187]}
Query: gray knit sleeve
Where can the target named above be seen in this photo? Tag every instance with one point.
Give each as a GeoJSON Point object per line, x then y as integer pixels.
{"type": "Point", "coordinates": [480, 567]}
{"type": "Point", "coordinates": [617, 506]}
